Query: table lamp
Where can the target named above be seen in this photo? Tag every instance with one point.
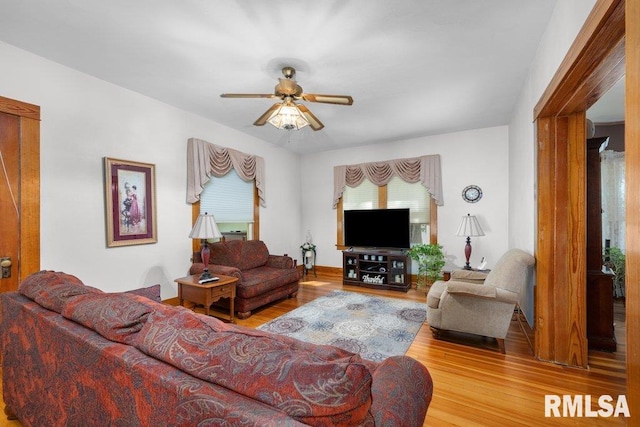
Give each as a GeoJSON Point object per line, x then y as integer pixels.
{"type": "Point", "coordinates": [469, 227]}
{"type": "Point", "coordinates": [204, 229]}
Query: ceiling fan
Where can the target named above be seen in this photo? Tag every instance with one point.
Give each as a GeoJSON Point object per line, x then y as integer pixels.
{"type": "Point", "coordinates": [287, 114]}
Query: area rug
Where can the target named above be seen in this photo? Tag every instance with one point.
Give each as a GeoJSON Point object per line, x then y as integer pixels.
{"type": "Point", "coordinates": [375, 327]}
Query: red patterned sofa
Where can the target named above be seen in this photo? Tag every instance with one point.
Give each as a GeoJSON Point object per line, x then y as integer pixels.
{"type": "Point", "coordinates": [75, 356]}
{"type": "Point", "coordinates": [262, 278]}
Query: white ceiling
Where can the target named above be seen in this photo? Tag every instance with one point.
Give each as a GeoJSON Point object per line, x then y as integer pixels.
{"type": "Point", "coordinates": [413, 67]}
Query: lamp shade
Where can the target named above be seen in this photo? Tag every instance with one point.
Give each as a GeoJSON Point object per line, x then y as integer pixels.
{"type": "Point", "coordinates": [469, 227]}
{"type": "Point", "coordinates": [205, 228]}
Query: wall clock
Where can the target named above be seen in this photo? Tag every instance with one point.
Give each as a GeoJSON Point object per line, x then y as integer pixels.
{"type": "Point", "coordinates": [471, 193]}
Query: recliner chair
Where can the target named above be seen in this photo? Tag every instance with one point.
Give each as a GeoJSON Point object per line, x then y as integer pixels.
{"type": "Point", "coordinates": [468, 304]}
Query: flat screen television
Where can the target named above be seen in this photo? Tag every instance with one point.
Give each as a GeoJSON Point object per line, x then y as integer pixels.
{"type": "Point", "coordinates": [377, 228]}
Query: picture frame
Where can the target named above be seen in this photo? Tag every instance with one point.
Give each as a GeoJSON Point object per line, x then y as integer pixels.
{"type": "Point", "coordinates": [130, 202]}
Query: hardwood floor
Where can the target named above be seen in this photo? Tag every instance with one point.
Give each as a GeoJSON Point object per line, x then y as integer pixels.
{"type": "Point", "coordinates": [474, 384]}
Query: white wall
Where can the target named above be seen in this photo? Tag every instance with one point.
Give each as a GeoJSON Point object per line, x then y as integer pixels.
{"type": "Point", "coordinates": [85, 119]}
{"type": "Point", "coordinates": [475, 157]}
{"type": "Point", "coordinates": [566, 21]}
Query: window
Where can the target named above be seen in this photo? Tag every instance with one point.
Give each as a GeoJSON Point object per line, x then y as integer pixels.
{"type": "Point", "coordinates": [396, 194]}
{"type": "Point", "coordinates": [231, 200]}
{"type": "Point", "coordinates": [364, 196]}
{"type": "Point", "coordinates": [401, 194]}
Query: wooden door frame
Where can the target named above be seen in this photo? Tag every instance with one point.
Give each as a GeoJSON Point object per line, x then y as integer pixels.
{"type": "Point", "coordinates": [29, 181]}
{"type": "Point", "coordinates": [607, 47]}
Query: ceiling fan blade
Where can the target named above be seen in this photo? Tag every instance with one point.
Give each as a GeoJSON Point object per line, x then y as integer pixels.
{"type": "Point", "coordinates": [328, 99]}
{"type": "Point", "coordinates": [263, 118]}
{"type": "Point", "coordinates": [247, 95]}
{"type": "Point", "coordinates": [313, 120]}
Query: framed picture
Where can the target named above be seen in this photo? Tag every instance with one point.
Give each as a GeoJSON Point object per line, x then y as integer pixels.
{"type": "Point", "coordinates": [130, 190]}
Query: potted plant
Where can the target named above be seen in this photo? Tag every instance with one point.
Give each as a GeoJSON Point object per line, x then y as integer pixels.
{"type": "Point", "coordinates": [430, 259]}
{"type": "Point", "coordinates": [616, 261]}
{"type": "Point", "coordinates": [308, 252]}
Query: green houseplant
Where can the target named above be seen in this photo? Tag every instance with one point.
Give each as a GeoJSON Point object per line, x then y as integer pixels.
{"type": "Point", "coordinates": [616, 263]}
{"type": "Point", "coordinates": [430, 259]}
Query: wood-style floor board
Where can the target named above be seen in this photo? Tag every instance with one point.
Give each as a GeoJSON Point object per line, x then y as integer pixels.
{"type": "Point", "coordinates": [474, 384]}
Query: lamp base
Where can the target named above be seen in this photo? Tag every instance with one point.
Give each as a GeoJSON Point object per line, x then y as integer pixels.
{"type": "Point", "coordinates": [467, 254]}
{"type": "Point", "coordinates": [205, 275]}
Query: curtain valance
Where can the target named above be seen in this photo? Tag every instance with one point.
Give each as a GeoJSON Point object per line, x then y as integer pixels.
{"type": "Point", "coordinates": [424, 169]}
{"type": "Point", "coordinates": [205, 159]}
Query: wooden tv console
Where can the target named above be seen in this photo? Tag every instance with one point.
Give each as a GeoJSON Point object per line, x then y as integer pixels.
{"type": "Point", "coordinates": [376, 268]}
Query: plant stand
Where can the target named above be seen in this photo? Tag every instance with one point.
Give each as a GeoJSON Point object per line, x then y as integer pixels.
{"type": "Point", "coordinates": [309, 261]}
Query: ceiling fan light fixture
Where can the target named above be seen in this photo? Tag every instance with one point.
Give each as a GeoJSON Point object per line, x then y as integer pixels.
{"type": "Point", "coordinates": [288, 117]}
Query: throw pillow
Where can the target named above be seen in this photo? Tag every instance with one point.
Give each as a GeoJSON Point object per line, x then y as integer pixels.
{"type": "Point", "coordinates": [53, 289]}
{"type": "Point", "coordinates": [117, 317]}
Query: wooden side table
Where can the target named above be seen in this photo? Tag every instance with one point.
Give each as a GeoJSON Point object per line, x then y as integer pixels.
{"type": "Point", "coordinates": [207, 293]}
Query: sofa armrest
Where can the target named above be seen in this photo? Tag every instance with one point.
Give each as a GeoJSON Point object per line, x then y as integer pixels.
{"type": "Point", "coordinates": [217, 269]}
{"type": "Point", "coordinates": [482, 291]}
{"type": "Point", "coordinates": [279, 261]}
{"type": "Point", "coordinates": [469, 276]}
{"type": "Point", "coordinates": [472, 289]}
{"type": "Point", "coordinates": [401, 389]}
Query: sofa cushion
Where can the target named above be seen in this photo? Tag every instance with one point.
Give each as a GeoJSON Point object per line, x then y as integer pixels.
{"type": "Point", "coordinates": [52, 289]}
{"type": "Point", "coordinates": [117, 317]}
{"type": "Point", "coordinates": [151, 292]}
{"type": "Point", "coordinates": [314, 384]}
{"type": "Point", "coordinates": [264, 279]}
{"type": "Point", "coordinates": [240, 254]}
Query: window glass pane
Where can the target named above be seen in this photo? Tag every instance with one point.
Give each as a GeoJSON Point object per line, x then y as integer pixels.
{"type": "Point", "coordinates": [401, 194]}
{"type": "Point", "coordinates": [364, 196]}
{"type": "Point", "coordinates": [228, 198]}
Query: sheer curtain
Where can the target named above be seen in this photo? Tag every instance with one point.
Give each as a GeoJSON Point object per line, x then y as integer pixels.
{"type": "Point", "coordinates": [613, 196]}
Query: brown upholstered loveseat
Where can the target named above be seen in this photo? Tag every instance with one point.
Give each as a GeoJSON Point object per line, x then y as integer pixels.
{"type": "Point", "coordinates": [262, 278]}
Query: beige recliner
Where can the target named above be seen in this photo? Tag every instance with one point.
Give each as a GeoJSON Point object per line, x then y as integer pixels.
{"type": "Point", "coordinates": [480, 303]}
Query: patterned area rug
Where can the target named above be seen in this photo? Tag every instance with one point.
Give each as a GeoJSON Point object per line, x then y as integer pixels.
{"type": "Point", "coordinates": [374, 327]}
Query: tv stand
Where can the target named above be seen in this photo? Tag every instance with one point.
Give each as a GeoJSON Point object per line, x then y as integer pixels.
{"type": "Point", "coordinates": [376, 268]}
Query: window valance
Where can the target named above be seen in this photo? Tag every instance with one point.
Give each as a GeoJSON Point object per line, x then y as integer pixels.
{"type": "Point", "coordinates": [205, 159]}
{"type": "Point", "coordinates": [424, 169]}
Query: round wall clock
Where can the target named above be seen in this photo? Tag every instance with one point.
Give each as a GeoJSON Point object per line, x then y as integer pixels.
{"type": "Point", "coordinates": [471, 193]}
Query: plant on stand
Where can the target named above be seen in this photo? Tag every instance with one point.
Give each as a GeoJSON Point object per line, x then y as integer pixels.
{"type": "Point", "coordinates": [430, 259]}
{"type": "Point", "coordinates": [308, 251]}
{"type": "Point", "coordinates": [615, 260]}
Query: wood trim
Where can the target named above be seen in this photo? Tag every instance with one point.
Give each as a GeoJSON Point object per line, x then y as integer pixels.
{"type": "Point", "coordinates": [340, 225]}
{"type": "Point", "coordinates": [561, 270]}
{"type": "Point", "coordinates": [382, 197]}
{"type": "Point", "coordinates": [29, 202]}
{"type": "Point", "coordinates": [590, 68]}
{"type": "Point", "coordinates": [29, 195]}
{"type": "Point", "coordinates": [632, 162]}
{"type": "Point", "coordinates": [545, 271]}
{"type": "Point", "coordinates": [195, 211]}
{"type": "Point", "coordinates": [256, 213]}
{"type": "Point", "coordinates": [433, 221]}
{"type": "Point", "coordinates": [594, 63]}
{"type": "Point", "coordinates": [19, 108]}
